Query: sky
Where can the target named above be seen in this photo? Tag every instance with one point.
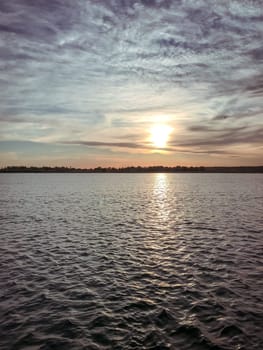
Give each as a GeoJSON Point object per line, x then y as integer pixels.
{"type": "Point", "coordinates": [84, 83]}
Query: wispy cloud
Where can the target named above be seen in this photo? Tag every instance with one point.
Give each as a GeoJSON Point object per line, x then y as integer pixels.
{"type": "Point", "coordinates": [102, 69]}
{"type": "Point", "coordinates": [226, 137]}
{"type": "Point", "coordinates": [107, 144]}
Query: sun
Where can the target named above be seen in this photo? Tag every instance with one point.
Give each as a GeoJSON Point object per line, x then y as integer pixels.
{"type": "Point", "coordinates": [160, 134]}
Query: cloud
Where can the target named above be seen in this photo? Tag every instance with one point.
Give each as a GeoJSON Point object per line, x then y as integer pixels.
{"type": "Point", "coordinates": [209, 136]}
{"type": "Point", "coordinates": [111, 65]}
{"type": "Point", "coordinates": [109, 144]}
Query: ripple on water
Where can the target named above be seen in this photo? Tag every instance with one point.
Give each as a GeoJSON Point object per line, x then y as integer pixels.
{"type": "Point", "coordinates": [154, 261]}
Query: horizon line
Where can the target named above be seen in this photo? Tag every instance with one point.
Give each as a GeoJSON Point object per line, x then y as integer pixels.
{"type": "Point", "coordinates": [131, 169]}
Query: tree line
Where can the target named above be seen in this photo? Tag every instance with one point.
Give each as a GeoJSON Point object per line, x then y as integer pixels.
{"type": "Point", "coordinates": [132, 169]}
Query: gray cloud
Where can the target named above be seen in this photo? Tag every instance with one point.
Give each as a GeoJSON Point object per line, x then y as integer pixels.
{"type": "Point", "coordinates": [84, 60]}
{"type": "Point", "coordinates": [135, 145]}
{"type": "Point", "coordinates": [107, 144]}
{"type": "Point", "coordinates": [210, 137]}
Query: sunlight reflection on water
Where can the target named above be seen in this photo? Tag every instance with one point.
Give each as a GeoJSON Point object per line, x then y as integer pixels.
{"type": "Point", "coordinates": [161, 205]}
{"type": "Point", "coordinates": [131, 261]}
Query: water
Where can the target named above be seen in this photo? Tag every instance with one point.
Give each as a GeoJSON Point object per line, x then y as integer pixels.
{"type": "Point", "coordinates": [131, 261]}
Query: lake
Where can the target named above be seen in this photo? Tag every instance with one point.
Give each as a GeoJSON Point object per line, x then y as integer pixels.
{"type": "Point", "coordinates": [131, 261]}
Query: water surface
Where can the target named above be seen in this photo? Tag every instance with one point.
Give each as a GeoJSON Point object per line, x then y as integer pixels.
{"type": "Point", "coordinates": [131, 261]}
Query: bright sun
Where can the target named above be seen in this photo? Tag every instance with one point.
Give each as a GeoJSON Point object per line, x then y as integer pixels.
{"type": "Point", "coordinates": [160, 134]}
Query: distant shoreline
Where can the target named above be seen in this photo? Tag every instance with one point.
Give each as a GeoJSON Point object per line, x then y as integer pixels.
{"type": "Point", "coordinates": [134, 169]}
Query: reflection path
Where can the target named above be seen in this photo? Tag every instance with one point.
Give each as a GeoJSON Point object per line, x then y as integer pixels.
{"type": "Point", "coordinates": [160, 200]}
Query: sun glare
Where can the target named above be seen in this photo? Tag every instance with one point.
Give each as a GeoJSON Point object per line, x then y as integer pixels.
{"type": "Point", "coordinates": [160, 135]}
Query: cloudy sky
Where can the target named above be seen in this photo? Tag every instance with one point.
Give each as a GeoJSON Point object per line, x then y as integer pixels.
{"type": "Point", "coordinates": [84, 82]}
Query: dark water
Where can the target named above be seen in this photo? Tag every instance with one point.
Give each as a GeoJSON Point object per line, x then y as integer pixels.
{"type": "Point", "coordinates": [120, 261]}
